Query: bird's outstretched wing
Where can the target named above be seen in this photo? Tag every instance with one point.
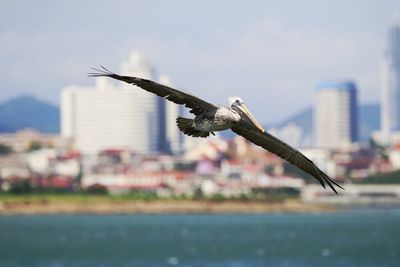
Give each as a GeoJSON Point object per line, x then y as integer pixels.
{"type": "Point", "coordinates": [195, 104]}
{"type": "Point", "coordinates": [283, 150]}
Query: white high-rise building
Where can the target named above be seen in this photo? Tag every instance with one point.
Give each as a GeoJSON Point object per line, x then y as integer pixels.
{"type": "Point", "coordinates": [390, 76]}
{"type": "Point", "coordinates": [115, 114]}
{"type": "Point", "coordinates": [335, 114]}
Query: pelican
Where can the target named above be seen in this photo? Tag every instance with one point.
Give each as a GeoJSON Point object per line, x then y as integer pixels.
{"type": "Point", "coordinates": [210, 118]}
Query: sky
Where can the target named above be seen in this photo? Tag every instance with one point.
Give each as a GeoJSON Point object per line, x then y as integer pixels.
{"type": "Point", "coordinates": [270, 53]}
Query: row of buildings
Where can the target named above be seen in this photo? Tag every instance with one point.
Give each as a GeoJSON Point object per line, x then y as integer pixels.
{"type": "Point", "coordinates": [231, 167]}
{"type": "Point", "coordinates": [216, 166]}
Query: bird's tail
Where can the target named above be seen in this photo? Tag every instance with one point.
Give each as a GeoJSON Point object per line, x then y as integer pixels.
{"type": "Point", "coordinates": [187, 127]}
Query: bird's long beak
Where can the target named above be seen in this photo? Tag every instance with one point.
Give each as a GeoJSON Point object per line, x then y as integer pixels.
{"type": "Point", "coordinates": [246, 115]}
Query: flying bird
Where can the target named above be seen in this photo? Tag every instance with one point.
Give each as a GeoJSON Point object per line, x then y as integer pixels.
{"type": "Point", "coordinates": [209, 118]}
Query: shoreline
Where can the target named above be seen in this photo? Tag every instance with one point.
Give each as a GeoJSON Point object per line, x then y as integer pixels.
{"type": "Point", "coordinates": [160, 207]}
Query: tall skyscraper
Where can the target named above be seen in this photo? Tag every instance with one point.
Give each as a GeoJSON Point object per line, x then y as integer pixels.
{"type": "Point", "coordinates": [335, 117]}
{"type": "Point", "coordinates": [115, 114]}
{"type": "Point", "coordinates": [390, 76]}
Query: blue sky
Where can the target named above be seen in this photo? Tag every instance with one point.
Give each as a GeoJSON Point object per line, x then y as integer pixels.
{"type": "Point", "coordinates": [271, 53]}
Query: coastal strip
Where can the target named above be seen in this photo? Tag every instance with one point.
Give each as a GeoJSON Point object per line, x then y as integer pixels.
{"type": "Point", "coordinates": [159, 207]}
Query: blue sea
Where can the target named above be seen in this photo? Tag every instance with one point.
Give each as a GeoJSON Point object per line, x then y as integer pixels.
{"type": "Point", "coordinates": [351, 238]}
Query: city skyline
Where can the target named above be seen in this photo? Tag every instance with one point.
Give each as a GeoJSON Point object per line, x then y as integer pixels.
{"type": "Point", "coordinates": [271, 51]}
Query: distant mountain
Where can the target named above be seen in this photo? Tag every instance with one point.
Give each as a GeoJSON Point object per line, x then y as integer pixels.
{"type": "Point", "coordinates": [303, 119]}
{"type": "Point", "coordinates": [28, 112]}
{"type": "Point", "coordinates": [368, 118]}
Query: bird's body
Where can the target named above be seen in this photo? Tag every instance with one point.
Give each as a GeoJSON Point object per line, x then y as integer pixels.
{"type": "Point", "coordinates": [209, 121]}
{"type": "Point", "coordinates": [211, 118]}
{"type": "Point", "coordinates": [222, 119]}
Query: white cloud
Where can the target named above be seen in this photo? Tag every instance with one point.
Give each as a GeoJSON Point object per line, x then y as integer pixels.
{"type": "Point", "coordinates": [279, 64]}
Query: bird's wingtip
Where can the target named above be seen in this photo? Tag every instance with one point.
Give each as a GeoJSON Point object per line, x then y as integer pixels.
{"type": "Point", "coordinates": [332, 184]}
{"type": "Point", "coordinates": [324, 178]}
{"type": "Point", "coordinates": [100, 72]}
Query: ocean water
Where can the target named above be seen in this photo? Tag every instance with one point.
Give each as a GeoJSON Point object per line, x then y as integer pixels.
{"type": "Point", "coordinates": [351, 238]}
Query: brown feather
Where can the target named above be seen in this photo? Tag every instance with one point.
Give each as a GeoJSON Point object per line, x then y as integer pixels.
{"type": "Point", "coordinates": [195, 104]}
{"type": "Point", "coordinates": [283, 150]}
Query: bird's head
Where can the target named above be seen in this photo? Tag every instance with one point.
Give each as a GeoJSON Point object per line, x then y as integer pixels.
{"type": "Point", "coordinates": [237, 105]}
